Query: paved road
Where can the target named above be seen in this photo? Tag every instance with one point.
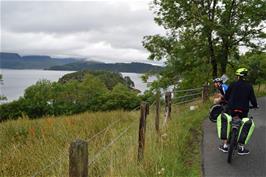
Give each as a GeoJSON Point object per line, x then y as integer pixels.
{"type": "Point", "coordinates": [214, 162]}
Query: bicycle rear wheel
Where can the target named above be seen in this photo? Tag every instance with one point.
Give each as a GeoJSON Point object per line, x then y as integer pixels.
{"type": "Point", "coordinates": [232, 145]}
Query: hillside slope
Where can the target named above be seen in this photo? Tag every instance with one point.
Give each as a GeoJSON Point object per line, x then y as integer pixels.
{"type": "Point", "coordinates": [40, 147]}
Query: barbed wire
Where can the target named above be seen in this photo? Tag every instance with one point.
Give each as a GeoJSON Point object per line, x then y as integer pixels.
{"type": "Point", "coordinates": [118, 137]}
{"type": "Point", "coordinates": [48, 166]}
{"type": "Point", "coordinates": [114, 140]}
{"type": "Point", "coordinates": [103, 130]}
{"type": "Point", "coordinates": [110, 144]}
{"type": "Point", "coordinates": [88, 140]}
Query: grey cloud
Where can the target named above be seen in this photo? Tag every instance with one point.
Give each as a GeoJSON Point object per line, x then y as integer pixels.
{"type": "Point", "coordinates": [70, 16]}
{"type": "Point", "coordinates": [103, 30]}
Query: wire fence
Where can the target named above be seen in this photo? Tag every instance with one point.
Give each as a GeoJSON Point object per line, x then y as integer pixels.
{"type": "Point", "coordinates": [105, 148]}
{"type": "Point", "coordinates": [187, 95]}
{"type": "Point", "coordinates": [180, 97]}
{"type": "Point", "coordinates": [64, 153]}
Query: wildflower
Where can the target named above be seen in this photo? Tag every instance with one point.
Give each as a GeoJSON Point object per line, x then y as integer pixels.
{"type": "Point", "coordinates": [32, 131]}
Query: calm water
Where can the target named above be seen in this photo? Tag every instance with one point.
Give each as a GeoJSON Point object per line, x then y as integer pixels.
{"type": "Point", "coordinates": [16, 81]}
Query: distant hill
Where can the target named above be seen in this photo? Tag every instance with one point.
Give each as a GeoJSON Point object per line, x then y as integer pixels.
{"type": "Point", "coordinates": [115, 67]}
{"type": "Point", "coordinates": [15, 61]}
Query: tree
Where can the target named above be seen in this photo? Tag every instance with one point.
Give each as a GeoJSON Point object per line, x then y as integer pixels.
{"type": "Point", "coordinates": [205, 32]}
{"type": "Point", "coordinates": [121, 97]}
{"type": "Point", "coordinates": [129, 82]}
{"type": "Point", "coordinates": [37, 98]}
{"type": "Point", "coordinates": [256, 63]}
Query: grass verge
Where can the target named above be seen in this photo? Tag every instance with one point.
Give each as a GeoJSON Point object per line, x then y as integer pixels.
{"type": "Point", "coordinates": [31, 146]}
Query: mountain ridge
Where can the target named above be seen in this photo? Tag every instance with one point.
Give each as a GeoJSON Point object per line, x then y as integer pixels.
{"type": "Point", "coordinates": [16, 61]}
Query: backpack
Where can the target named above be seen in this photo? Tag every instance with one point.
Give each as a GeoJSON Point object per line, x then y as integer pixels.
{"type": "Point", "coordinates": [246, 130]}
{"type": "Point", "coordinates": [224, 125]}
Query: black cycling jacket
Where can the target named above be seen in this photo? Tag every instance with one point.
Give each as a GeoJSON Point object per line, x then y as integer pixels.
{"type": "Point", "coordinates": [239, 94]}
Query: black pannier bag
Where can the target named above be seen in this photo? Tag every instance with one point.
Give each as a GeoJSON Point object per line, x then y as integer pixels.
{"type": "Point", "coordinates": [215, 111]}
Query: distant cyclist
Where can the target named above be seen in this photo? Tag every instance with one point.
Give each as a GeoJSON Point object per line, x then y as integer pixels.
{"type": "Point", "coordinates": [218, 84]}
{"type": "Point", "coordinates": [238, 96]}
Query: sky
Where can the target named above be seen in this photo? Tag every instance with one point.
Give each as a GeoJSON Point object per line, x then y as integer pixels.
{"type": "Point", "coordinates": [103, 30]}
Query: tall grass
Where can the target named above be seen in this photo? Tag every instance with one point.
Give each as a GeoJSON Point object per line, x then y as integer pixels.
{"type": "Point", "coordinates": [28, 146]}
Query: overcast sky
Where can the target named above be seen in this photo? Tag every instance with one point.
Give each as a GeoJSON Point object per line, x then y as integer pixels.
{"type": "Point", "coordinates": [109, 31]}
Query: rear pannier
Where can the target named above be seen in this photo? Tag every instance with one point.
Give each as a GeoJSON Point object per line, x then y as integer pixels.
{"type": "Point", "coordinates": [215, 111]}
{"type": "Point", "coordinates": [246, 130]}
{"type": "Point", "coordinates": [223, 126]}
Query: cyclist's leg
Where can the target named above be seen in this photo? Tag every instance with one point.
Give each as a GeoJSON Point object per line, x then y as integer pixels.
{"type": "Point", "coordinates": [241, 147]}
{"type": "Point", "coordinates": [224, 146]}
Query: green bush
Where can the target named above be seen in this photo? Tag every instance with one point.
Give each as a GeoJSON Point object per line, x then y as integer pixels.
{"type": "Point", "coordinates": [55, 98]}
{"type": "Point", "coordinates": [121, 97]}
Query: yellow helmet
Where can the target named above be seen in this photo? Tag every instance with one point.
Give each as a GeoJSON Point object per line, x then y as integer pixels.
{"type": "Point", "coordinates": [242, 72]}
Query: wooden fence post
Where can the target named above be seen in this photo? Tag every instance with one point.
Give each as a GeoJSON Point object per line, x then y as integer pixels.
{"type": "Point", "coordinates": [157, 116]}
{"type": "Point", "coordinates": [142, 129]}
{"type": "Point", "coordinates": [205, 93]}
{"type": "Point", "coordinates": [78, 159]}
{"type": "Point", "coordinates": [168, 104]}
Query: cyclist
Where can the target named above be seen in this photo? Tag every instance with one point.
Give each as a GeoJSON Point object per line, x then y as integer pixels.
{"type": "Point", "coordinates": [238, 96]}
{"type": "Point", "coordinates": [218, 84]}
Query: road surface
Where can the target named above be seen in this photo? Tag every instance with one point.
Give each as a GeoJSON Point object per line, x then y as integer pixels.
{"type": "Point", "coordinates": [214, 162]}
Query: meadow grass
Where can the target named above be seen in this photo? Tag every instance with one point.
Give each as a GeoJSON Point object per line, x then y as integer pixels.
{"type": "Point", "coordinates": [30, 146]}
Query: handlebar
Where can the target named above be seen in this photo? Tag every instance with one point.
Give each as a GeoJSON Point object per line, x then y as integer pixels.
{"type": "Point", "coordinates": [252, 107]}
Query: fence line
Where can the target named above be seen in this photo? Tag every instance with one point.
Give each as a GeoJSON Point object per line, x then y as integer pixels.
{"type": "Point", "coordinates": [182, 102]}
{"type": "Point", "coordinates": [115, 139]}
{"type": "Point", "coordinates": [194, 94]}
{"type": "Point", "coordinates": [100, 152]}
{"type": "Point", "coordinates": [103, 130]}
{"type": "Point", "coordinates": [110, 144]}
{"type": "Point", "coordinates": [186, 90]}
{"type": "Point", "coordinates": [55, 162]}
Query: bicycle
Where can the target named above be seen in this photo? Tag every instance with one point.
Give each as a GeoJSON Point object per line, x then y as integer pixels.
{"type": "Point", "coordinates": [235, 125]}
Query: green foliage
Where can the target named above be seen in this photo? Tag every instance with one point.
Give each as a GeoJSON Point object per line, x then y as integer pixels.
{"type": "Point", "coordinates": [110, 79]}
{"type": "Point", "coordinates": [204, 37]}
{"type": "Point", "coordinates": [36, 98]}
{"type": "Point", "coordinates": [256, 64]}
{"type": "Point", "coordinates": [90, 93]}
{"type": "Point", "coordinates": [121, 97]}
{"type": "Point", "coordinates": [12, 110]}
{"type": "Point", "coordinates": [148, 96]}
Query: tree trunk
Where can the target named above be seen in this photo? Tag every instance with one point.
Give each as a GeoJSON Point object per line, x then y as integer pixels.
{"type": "Point", "coordinates": [211, 15]}
{"type": "Point", "coordinates": [224, 59]}
{"type": "Point", "coordinates": [212, 56]}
